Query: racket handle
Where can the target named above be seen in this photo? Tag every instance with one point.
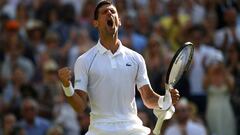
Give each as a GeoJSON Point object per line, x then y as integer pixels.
{"type": "Point", "coordinates": [168, 87]}
{"type": "Point", "coordinates": [158, 127]}
{"type": "Point", "coordinates": [165, 102]}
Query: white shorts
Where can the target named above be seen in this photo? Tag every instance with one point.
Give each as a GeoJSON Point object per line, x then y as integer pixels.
{"type": "Point", "coordinates": [117, 128]}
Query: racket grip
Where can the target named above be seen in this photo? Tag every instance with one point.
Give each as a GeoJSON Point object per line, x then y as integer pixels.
{"type": "Point", "coordinates": [158, 127]}
{"type": "Point", "coordinates": [168, 86]}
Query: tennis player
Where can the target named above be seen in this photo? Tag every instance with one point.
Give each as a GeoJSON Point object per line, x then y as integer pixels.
{"type": "Point", "coordinates": [108, 74]}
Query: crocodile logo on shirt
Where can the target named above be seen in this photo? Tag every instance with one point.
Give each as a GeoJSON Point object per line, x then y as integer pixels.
{"type": "Point", "coordinates": [128, 64]}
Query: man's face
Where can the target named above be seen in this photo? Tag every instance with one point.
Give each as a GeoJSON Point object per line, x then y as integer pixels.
{"type": "Point", "coordinates": [230, 17]}
{"type": "Point", "coordinates": [9, 121]}
{"type": "Point", "coordinates": [182, 112]}
{"type": "Point", "coordinates": [108, 20]}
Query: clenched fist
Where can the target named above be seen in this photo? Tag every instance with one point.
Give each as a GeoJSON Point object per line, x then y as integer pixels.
{"type": "Point", "coordinates": [175, 96]}
{"type": "Point", "coordinates": [65, 75]}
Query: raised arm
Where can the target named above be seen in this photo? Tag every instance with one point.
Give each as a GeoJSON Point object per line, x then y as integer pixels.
{"type": "Point", "coordinates": [76, 98]}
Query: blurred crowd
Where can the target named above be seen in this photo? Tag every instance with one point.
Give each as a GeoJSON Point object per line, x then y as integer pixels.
{"type": "Point", "coordinates": [39, 36]}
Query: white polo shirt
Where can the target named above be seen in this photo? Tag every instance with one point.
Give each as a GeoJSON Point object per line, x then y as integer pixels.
{"type": "Point", "coordinates": [109, 80]}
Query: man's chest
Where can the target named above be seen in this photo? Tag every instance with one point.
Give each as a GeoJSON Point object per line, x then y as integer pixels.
{"type": "Point", "coordinates": [110, 69]}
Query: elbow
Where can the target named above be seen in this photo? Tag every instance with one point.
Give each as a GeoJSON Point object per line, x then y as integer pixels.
{"type": "Point", "coordinates": [76, 105]}
{"type": "Point", "coordinates": [80, 108]}
{"type": "Point", "coordinates": [149, 106]}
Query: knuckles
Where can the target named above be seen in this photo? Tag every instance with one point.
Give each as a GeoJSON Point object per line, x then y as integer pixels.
{"type": "Point", "coordinates": [64, 73]}
{"type": "Point", "coordinates": [175, 95]}
{"type": "Point", "coordinates": [174, 91]}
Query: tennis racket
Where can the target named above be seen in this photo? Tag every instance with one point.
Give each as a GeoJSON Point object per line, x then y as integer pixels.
{"type": "Point", "coordinates": [178, 66]}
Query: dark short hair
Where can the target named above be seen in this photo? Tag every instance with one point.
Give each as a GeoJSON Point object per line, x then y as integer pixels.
{"type": "Point", "coordinates": [99, 5]}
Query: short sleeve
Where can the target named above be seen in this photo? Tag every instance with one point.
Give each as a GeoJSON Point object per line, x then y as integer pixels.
{"type": "Point", "coordinates": [142, 76]}
{"type": "Point", "coordinates": [81, 75]}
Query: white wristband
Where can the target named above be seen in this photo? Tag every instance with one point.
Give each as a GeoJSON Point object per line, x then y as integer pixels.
{"type": "Point", "coordinates": [69, 91]}
{"type": "Point", "coordinates": [165, 102]}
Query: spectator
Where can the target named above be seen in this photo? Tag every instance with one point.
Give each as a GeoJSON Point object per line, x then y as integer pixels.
{"type": "Point", "coordinates": [233, 66]}
{"type": "Point", "coordinates": [210, 23]}
{"type": "Point", "coordinates": [13, 57]}
{"type": "Point", "coordinates": [221, 7]}
{"type": "Point", "coordinates": [9, 121]}
{"type": "Point", "coordinates": [22, 17]}
{"type": "Point", "coordinates": [173, 23]}
{"type": "Point", "coordinates": [85, 19]}
{"type": "Point", "coordinates": [11, 28]}
{"type": "Point", "coordinates": [233, 62]}
{"type": "Point", "coordinates": [67, 22]}
{"type": "Point", "coordinates": [122, 8]}
{"type": "Point", "coordinates": [12, 95]}
{"type": "Point", "coordinates": [196, 73]}
{"type": "Point", "coordinates": [31, 122]}
{"type": "Point", "coordinates": [80, 43]}
{"type": "Point", "coordinates": [136, 41]}
{"type": "Point", "coordinates": [87, 11]}
{"type": "Point", "coordinates": [155, 9]}
{"type": "Point", "coordinates": [52, 19]}
{"type": "Point", "coordinates": [49, 89]}
{"type": "Point", "coordinates": [195, 10]}
{"type": "Point", "coordinates": [35, 33]}
{"type": "Point", "coordinates": [230, 33]}
{"type": "Point", "coordinates": [184, 125]}
{"type": "Point", "coordinates": [52, 44]}
{"type": "Point", "coordinates": [66, 116]}
{"type": "Point", "coordinates": [144, 27]}
{"type": "Point", "coordinates": [194, 116]}
{"type": "Point", "coordinates": [218, 84]}
{"type": "Point", "coordinates": [154, 60]}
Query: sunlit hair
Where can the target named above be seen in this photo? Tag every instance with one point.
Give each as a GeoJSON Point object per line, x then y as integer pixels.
{"type": "Point", "coordinates": [99, 5]}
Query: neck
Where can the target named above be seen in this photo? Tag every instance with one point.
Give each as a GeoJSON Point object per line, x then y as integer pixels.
{"type": "Point", "coordinates": [110, 42]}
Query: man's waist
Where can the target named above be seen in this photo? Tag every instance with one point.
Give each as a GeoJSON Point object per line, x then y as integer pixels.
{"type": "Point", "coordinates": [114, 118]}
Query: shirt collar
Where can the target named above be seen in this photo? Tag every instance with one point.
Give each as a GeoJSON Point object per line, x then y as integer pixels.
{"type": "Point", "coordinates": [103, 50]}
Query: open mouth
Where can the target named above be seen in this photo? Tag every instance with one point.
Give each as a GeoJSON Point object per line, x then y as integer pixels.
{"type": "Point", "coordinates": [110, 22]}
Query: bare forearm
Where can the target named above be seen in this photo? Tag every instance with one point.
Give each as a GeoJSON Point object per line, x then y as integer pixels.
{"type": "Point", "coordinates": [77, 102]}
{"type": "Point", "coordinates": [150, 98]}
{"type": "Point", "coordinates": [77, 99]}
{"type": "Point", "coordinates": [152, 102]}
